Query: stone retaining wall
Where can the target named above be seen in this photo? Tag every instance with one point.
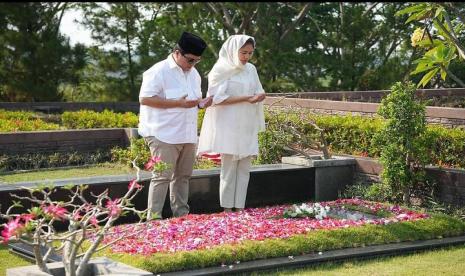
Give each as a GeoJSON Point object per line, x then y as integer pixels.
{"type": "Point", "coordinates": [64, 141]}
{"type": "Point", "coordinates": [269, 185]}
{"type": "Point", "coordinates": [60, 107]}
{"type": "Point", "coordinates": [450, 117]}
{"type": "Point", "coordinates": [375, 96]}
{"type": "Point", "coordinates": [451, 182]}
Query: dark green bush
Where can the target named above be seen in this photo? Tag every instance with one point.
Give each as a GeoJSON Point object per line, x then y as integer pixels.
{"type": "Point", "coordinates": [30, 161]}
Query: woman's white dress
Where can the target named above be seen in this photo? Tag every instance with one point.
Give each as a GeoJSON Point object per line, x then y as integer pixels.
{"type": "Point", "coordinates": [233, 129]}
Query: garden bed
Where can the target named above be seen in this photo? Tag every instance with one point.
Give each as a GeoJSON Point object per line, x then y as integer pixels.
{"type": "Point", "coordinates": [223, 239]}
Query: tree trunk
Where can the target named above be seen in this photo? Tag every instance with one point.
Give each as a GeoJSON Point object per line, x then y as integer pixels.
{"type": "Point", "coordinates": [128, 46]}
{"type": "Point", "coordinates": [406, 196]}
{"type": "Point", "coordinates": [39, 261]}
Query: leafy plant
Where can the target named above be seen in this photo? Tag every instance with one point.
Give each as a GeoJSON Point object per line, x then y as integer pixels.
{"type": "Point", "coordinates": [137, 151]}
{"type": "Point", "coordinates": [404, 151]}
{"type": "Point", "coordinates": [441, 37]}
{"type": "Point", "coordinates": [92, 119]}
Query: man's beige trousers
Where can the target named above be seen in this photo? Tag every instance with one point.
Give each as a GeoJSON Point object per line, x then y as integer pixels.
{"type": "Point", "coordinates": [180, 158]}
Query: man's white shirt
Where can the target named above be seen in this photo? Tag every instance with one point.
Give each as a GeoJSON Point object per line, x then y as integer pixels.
{"type": "Point", "coordinates": [167, 80]}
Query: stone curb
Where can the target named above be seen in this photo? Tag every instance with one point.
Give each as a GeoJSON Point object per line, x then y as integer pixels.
{"type": "Point", "coordinates": [326, 256]}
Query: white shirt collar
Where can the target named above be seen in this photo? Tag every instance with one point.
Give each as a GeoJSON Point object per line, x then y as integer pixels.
{"type": "Point", "coordinates": [172, 63]}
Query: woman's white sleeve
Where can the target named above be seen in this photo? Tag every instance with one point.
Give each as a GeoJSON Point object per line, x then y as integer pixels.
{"type": "Point", "coordinates": [218, 92]}
{"type": "Point", "coordinates": [260, 109]}
{"type": "Point", "coordinates": [258, 85]}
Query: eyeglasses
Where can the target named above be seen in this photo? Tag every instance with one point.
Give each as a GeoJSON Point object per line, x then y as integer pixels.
{"type": "Point", "coordinates": [191, 61]}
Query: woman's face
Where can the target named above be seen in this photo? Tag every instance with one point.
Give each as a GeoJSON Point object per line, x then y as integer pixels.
{"type": "Point", "coordinates": [245, 53]}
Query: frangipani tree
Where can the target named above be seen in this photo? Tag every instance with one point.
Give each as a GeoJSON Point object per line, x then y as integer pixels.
{"type": "Point", "coordinates": [441, 37]}
{"type": "Point", "coordinates": [293, 128]}
{"type": "Point", "coordinates": [87, 221]}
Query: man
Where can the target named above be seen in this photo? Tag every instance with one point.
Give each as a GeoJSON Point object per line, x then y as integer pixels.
{"type": "Point", "coordinates": [169, 97]}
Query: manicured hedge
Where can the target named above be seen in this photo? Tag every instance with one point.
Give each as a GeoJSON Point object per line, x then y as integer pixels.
{"type": "Point", "coordinates": [14, 121]}
{"type": "Point", "coordinates": [39, 160]}
{"type": "Point", "coordinates": [353, 135]}
{"type": "Point", "coordinates": [346, 134]}
{"type": "Point", "coordinates": [91, 119]}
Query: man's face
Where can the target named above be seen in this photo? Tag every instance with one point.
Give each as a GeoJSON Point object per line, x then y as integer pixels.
{"type": "Point", "coordinates": [186, 61]}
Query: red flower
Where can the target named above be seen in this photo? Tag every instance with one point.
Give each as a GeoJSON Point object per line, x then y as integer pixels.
{"type": "Point", "coordinates": [134, 184]}
{"type": "Point", "coordinates": [27, 217]}
{"type": "Point", "coordinates": [113, 208]}
{"type": "Point", "coordinates": [12, 228]}
{"type": "Point", "coordinates": [55, 211]}
{"type": "Point", "coordinates": [93, 220]}
{"type": "Point", "coordinates": [211, 155]}
{"type": "Point", "coordinates": [152, 161]}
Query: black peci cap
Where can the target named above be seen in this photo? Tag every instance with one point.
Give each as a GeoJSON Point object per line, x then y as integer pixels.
{"type": "Point", "coordinates": [192, 44]}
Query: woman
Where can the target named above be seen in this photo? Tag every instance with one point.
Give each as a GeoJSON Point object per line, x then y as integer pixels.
{"type": "Point", "coordinates": [232, 123]}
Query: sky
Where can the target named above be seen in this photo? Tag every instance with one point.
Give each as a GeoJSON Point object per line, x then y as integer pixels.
{"type": "Point", "coordinates": [75, 31]}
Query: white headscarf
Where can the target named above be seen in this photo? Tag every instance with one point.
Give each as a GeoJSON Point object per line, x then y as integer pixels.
{"type": "Point", "coordinates": [228, 63]}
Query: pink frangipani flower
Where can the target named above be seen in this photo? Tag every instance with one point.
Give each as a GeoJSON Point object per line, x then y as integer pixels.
{"type": "Point", "coordinates": [152, 162]}
{"type": "Point", "coordinates": [134, 184]}
{"type": "Point", "coordinates": [94, 221]}
{"type": "Point", "coordinates": [55, 211]}
{"type": "Point", "coordinates": [12, 228]}
{"type": "Point", "coordinates": [113, 208]}
{"type": "Point", "coordinates": [205, 231]}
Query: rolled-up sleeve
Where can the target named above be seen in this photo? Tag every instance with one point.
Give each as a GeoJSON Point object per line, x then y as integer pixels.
{"type": "Point", "coordinates": [152, 84]}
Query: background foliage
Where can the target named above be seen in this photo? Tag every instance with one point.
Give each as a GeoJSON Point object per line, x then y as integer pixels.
{"type": "Point", "coordinates": [313, 46]}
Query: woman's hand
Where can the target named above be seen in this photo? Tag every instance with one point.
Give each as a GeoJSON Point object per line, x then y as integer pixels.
{"type": "Point", "coordinates": [257, 98]}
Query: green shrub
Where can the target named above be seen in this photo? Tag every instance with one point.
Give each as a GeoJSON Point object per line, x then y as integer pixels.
{"type": "Point", "coordinates": [90, 119]}
{"type": "Point", "coordinates": [17, 115]}
{"type": "Point", "coordinates": [446, 146]}
{"type": "Point", "coordinates": [403, 155]}
{"type": "Point", "coordinates": [138, 149]}
{"type": "Point", "coordinates": [350, 134]}
{"type": "Point", "coordinates": [14, 121]}
{"type": "Point", "coordinates": [30, 161]}
{"type": "Point", "coordinates": [15, 125]}
{"type": "Point", "coordinates": [379, 192]}
{"type": "Point", "coordinates": [200, 116]}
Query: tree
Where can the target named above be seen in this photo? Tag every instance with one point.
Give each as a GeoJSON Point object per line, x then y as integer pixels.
{"type": "Point", "coordinates": [89, 219]}
{"type": "Point", "coordinates": [35, 56]}
{"type": "Point", "coordinates": [441, 38]}
{"type": "Point", "coordinates": [119, 24]}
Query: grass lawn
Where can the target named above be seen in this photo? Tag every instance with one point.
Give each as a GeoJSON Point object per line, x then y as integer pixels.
{"type": "Point", "coordinates": [9, 260]}
{"type": "Point", "coordinates": [447, 261]}
{"type": "Point", "coordinates": [98, 170]}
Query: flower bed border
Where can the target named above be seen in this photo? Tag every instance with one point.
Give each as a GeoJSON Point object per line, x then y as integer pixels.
{"type": "Point", "coordinates": [337, 255]}
{"type": "Point", "coordinates": [438, 226]}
